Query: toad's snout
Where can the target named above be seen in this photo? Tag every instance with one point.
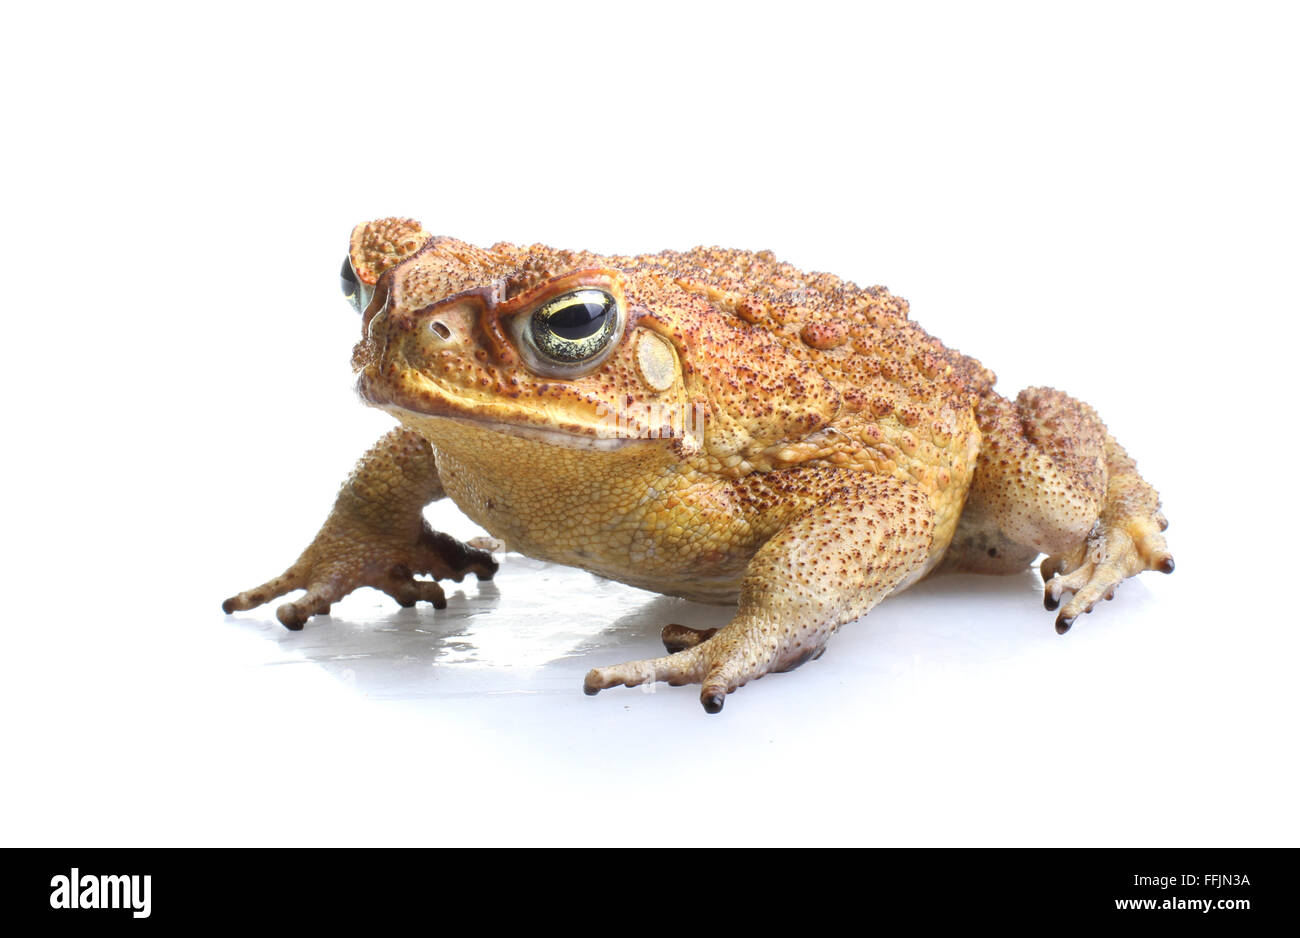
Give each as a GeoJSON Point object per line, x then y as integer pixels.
{"type": "Point", "coordinates": [437, 337]}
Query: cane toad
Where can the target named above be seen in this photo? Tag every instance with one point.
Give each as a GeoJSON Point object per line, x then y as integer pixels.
{"type": "Point", "coordinates": [712, 424]}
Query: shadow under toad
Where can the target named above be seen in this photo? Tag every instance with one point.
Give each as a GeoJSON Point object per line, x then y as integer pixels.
{"type": "Point", "coordinates": [538, 627]}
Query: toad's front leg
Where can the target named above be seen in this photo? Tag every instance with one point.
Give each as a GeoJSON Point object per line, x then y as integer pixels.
{"type": "Point", "coordinates": [859, 538]}
{"type": "Point", "coordinates": [375, 536]}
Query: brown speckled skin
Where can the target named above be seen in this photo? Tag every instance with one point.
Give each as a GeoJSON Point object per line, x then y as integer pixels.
{"type": "Point", "coordinates": [787, 441]}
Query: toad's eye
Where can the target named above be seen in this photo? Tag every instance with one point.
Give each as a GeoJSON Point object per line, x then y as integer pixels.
{"type": "Point", "coordinates": [348, 279]}
{"type": "Point", "coordinates": [574, 329]}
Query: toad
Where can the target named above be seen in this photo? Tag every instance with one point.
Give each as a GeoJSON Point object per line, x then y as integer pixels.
{"type": "Point", "coordinates": [713, 424]}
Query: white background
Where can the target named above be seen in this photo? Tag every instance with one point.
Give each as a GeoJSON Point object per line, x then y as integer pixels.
{"type": "Point", "coordinates": [1103, 200]}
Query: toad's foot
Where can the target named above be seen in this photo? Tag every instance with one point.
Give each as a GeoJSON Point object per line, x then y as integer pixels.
{"type": "Point", "coordinates": [375, 536]}
{"type": "Point", "coordinates": [1052, 480]}
{"type": "Point", "coordinates": [855, 541]}
{"type": "Point", "coordinates": [681, 637]}
{"type": "Point", "coordinates": [723, 661]}
{"type": "Point", "coordinates": [335, 565]}
{"type": "Point", "coordinates": [1112, 552]}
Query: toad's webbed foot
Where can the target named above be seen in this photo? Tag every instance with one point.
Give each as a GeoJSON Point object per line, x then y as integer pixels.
{"type": "Point", "coordinates": [1114, 550]}
{"type": "Point", "coordinates": [375, 536]}
{"type": "Point", "coordinates": [1052, 480]}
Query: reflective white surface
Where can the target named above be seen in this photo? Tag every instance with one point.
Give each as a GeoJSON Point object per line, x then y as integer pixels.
{"type": "Point", "coordinates": [952, 713]}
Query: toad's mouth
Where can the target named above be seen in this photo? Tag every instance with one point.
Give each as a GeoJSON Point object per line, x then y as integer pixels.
{"type": "Point", "coordinates": [434, 410]}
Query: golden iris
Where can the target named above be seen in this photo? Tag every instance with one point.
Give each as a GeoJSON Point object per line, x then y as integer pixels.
{"type": "Point", "coordinates": [576, 326]}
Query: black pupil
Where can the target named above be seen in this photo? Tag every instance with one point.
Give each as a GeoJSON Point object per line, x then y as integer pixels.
{"type": "Point", "coordinates": [349, 278]}
{"type": "Point", "coordinates": [578, 319]}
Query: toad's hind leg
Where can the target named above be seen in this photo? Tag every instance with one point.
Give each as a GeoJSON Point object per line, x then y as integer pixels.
{"type": "Point", "coordinates": [831, 563]}
{"type": "Point", "coordinates": [1051, 479]}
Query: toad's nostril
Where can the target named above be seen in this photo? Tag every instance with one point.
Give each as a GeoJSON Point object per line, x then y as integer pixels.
{"type": "Point", "coordinates": [440, 330]}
